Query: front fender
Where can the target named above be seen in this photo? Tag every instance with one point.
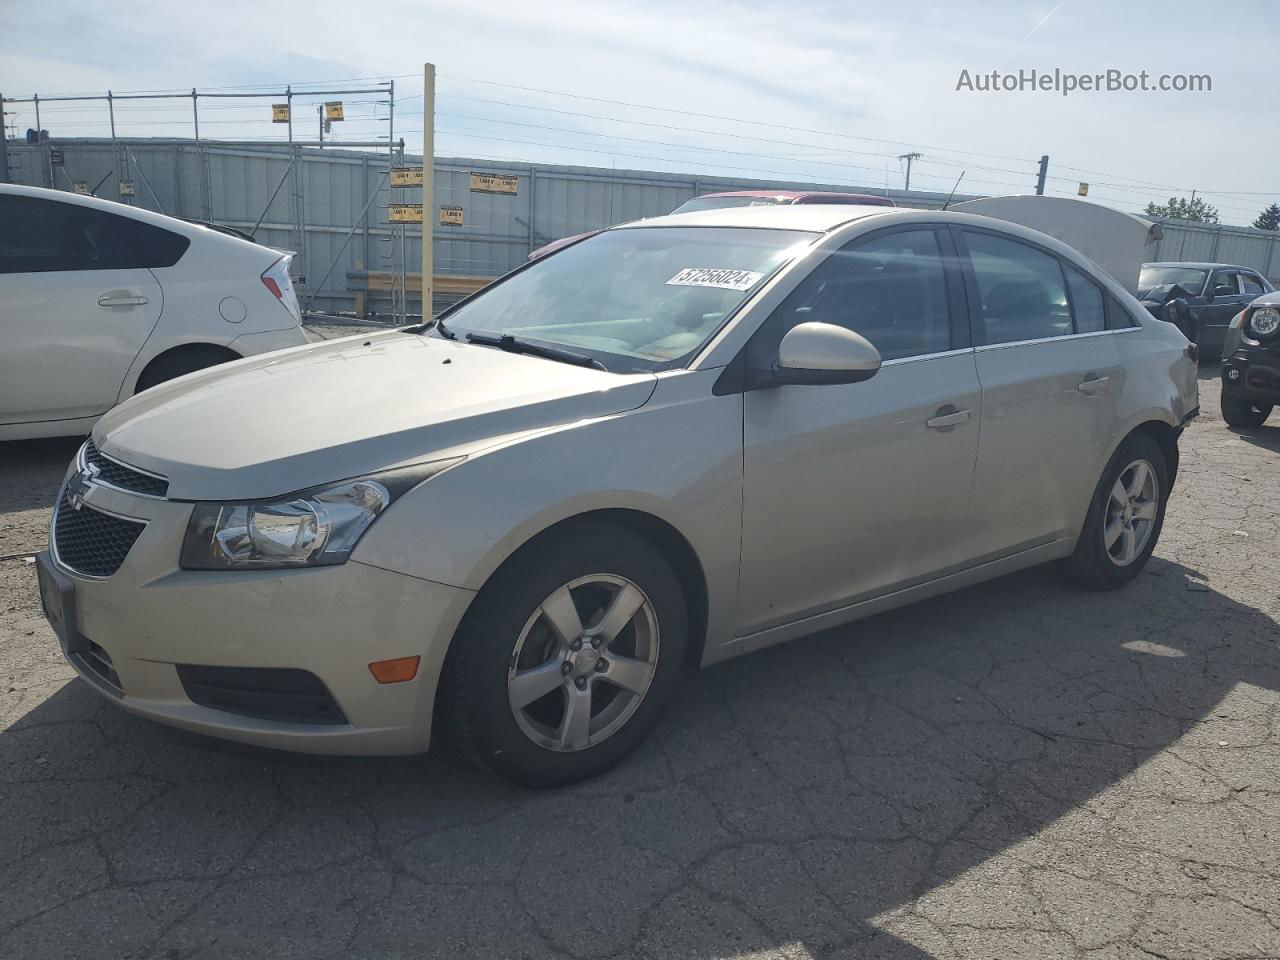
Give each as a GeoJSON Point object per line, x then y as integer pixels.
{"type": "Point", "coordinates": [678, 458]}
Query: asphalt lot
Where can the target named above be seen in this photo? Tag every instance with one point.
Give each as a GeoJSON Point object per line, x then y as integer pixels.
{"type": "Point", "coordinates": [1016, 770]}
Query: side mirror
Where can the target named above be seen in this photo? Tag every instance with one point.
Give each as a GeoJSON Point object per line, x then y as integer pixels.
{"type": "Point", "coordinates": [817, 353]}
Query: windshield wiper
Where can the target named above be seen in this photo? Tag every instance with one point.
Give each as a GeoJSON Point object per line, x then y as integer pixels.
{"type": "Point", "coordinates": [514, 345]}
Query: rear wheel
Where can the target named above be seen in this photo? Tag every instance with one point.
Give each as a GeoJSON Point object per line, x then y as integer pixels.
{"type": "Point", "coordinates": [181, 361]}
{"type": "Point", "coordinates": [1125, 517]}
{"type": "Point", "coordinates": [567, 656]}
{"type": "Point", "coordinates": [1242, 412]}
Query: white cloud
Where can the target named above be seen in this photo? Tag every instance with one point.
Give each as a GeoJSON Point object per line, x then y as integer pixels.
{"type": "Point", "coordinates": [878, 70]}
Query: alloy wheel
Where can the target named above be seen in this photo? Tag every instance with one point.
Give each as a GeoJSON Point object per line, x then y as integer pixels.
{"type": "Point", "coordinates": [583, 662]}
{"type": "Point", "coordinates": [1131, 512]}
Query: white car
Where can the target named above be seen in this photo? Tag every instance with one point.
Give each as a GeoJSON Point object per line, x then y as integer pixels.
{"type": "Point", "coordinates": [99, 300]}
{"type": "Point", "coordinates": [671, 443]}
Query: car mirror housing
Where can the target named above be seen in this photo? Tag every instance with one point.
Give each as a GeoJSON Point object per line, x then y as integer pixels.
{"type": "Point", "coordinates": [823, 353]}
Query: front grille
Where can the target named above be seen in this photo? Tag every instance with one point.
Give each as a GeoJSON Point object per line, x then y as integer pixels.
{"type": "Point", "coordinates": [91, 542]}
{"type": "Point", "coordinates": [98, 662]}
{"type": "Point", "coordinates": [282, 694]}
{"type": "Point", "coordinates": [126, 478]}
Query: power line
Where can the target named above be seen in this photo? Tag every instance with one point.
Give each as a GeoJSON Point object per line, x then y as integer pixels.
{"type": "Point", "coordinates": [715, 116]}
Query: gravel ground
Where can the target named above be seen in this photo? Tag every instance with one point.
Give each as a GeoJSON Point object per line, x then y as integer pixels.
{"type": "Point", "coordinates": [1015, 770]}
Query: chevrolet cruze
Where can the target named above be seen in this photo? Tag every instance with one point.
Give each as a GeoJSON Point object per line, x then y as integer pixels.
{"type": "Point", "coordinates": [670, 443]}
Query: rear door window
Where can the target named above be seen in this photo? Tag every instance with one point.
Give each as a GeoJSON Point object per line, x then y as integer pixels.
{"type": "Point", "coordinates": [1118, 318]}
{"type": "Point", "coordinates": [1021, 292]}
{"type": "Point", "coordinates": [1251, 285]}
{"type": "Point", "coordinates": [1086, 302]}
{"type": "Point", "coordinates": [44, 236]}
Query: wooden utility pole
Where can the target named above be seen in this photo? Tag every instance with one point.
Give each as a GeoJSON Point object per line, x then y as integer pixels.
{"type": "Point", "coordinates": [428, 184]}
{"type": "Point", "coordinates": [909, 157]}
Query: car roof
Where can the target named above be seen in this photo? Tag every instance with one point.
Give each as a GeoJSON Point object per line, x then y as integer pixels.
{"type": "Point", "coordinates": [191, 229]}
{"type": "Point", "coordinates": [813, 217]}
{"type": "Point", "coordinates": [785, 194]}
{"type": "Point", "coordinates": [1197, 265]}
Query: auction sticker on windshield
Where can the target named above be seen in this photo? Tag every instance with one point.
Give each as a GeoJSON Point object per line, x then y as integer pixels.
{"type": "Point", "coordinates": [714, 277]}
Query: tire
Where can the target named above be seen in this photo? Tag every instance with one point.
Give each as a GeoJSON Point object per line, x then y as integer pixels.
{"type": "Point", "coordinates": [181, 361]}
{"type": "Point", "coordinates": [507, 641]}
{"type": "Point", "coordinates": [1098, 564]}
{"type": "Point", "coordinates": [1242, 412]}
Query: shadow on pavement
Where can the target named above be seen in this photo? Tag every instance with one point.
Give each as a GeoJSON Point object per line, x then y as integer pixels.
{"type": "Point", "coordinates": [792, 797]}
{"type": "Point", "coordinates": [31, 471]}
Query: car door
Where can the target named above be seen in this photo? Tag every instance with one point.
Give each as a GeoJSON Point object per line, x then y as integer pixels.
{"type": "Point", "coordinates": [1050, 375]}
{"type": "Point", "coordinates": [75, 307]}
{"type": "Point", "coordinates": [1224, 298]}
{"type": "Point", "coordinates": [852, 490]}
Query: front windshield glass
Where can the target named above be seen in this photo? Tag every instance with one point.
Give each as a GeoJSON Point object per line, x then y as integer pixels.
{"type": "Point", "coordinates": [717, 203]}
{"type": "Point", "coordinates": [1188, 278]}
{"type": "Point", "coordinates": [644, 298]}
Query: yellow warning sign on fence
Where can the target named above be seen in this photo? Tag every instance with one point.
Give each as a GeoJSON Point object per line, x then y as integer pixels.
{"type": "Point", "coordinates": [493, 183]}
{"type": "Point", "coordinates": [127, 189]}
{"type": "Point", "coordinates": [406, 176]}
{"type": "Point", "coordinates": [1083, 189]}
{"type": "Point", "coordinates": [451, 216]}
{"type": "Point", "coordinates": [279, 113]}
{"type": "Point", "coordinates": [333, 110]}
{"type": "Point", "coordinates": [81, 187]}
{"type": "Point", "coordinates": [405, 213]}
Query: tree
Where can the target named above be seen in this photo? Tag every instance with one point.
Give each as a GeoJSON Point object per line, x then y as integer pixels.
{"type": "Point", "coordinates": [1180, 208]}
{"type": "Point", "coordinates": [1269, 219]}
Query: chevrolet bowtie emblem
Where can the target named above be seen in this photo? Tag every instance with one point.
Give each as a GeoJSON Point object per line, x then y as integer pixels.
{"type": "Point", "coordinates": [79, 485]}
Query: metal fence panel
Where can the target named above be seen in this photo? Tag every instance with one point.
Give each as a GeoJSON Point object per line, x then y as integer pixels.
{"type": "Point", "coordinates": [329, 206]}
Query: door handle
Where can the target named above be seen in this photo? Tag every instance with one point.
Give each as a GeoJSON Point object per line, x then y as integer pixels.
{"type": "Point", "coordinates": [947, 416]}
{"type": "Point", "coordinates": [110, 301]}
{"type": "Point", "coordinates": [1093, 385]}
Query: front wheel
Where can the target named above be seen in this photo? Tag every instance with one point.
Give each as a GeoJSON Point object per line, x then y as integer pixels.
{"type": "Point", "coordinates": [1125, 517]}
{"type": "Point", "coordinates": [1242, 412]}
{"type": "Point", "coordinates": [567, 656]}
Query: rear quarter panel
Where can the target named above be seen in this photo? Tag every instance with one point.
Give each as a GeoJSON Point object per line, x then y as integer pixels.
{"type": "Point", "coordinates": [215, 268]}
{"type": "Point", "coordinates": [1160, 384]}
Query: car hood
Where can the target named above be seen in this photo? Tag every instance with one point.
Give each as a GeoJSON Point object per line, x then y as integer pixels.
{"type": "Point", "coordinates": [281, 422]}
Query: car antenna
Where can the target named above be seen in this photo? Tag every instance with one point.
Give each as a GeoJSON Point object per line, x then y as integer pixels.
{"type": "Point", "coordinates": [953, 189]}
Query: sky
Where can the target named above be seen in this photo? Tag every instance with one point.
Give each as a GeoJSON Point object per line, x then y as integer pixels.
{"type": "Point", "coordinates": [811, 90]}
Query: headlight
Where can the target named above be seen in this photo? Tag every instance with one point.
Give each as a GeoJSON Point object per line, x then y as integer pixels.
{"type": "Point", "coordinates": [315, 527]}
{"type": "Point", "coordinates": [1265, 322]}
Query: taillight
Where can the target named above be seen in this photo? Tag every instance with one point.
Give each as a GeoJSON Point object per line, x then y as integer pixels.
{"type": "Point", "coordinates": [276, 279]}
{"type": "Point", "coordinates": [1193, 353]}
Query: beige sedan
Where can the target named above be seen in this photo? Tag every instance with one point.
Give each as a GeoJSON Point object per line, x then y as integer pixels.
{"type": "Point", "coordinates": [661, 446]}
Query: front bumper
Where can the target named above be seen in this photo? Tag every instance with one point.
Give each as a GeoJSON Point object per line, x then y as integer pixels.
{"type": "Point", "coordinates": [150, 618]}
{"type": "Point", "coordinates": [1252, 373]}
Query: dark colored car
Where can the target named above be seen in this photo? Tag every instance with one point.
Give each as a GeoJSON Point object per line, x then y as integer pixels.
{"type": "Point", "coordinates": [742, 198]}
{"type": "Point", "coordinates": [1200, 298]}
{"type": "Point", "coordinates": [1251, 363]}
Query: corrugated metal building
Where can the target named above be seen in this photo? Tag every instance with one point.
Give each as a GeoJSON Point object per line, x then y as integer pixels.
{"type": "Point", "coordinates": [331, 207]}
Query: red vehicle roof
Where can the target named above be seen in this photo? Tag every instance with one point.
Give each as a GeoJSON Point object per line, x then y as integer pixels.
{"type": "Point", "coordinates": [807, 196]}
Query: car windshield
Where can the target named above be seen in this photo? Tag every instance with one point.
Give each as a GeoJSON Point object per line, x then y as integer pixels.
{"type": "Point", "coordinates": [716, 203]}
{"type": "Point", "coordinates": [1188, 278]}
{"type": "Point", "coordinates": [643, 298]}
